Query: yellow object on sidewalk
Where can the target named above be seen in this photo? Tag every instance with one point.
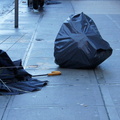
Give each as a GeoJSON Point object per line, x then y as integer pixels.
{"type": "Point", "coordinates": [53, 73]}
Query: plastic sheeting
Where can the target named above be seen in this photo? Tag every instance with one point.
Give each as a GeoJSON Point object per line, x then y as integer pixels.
{"type": "Point", "coordinates": [79, 44]}
{"type": "Point", "coordinates": [14, 79]}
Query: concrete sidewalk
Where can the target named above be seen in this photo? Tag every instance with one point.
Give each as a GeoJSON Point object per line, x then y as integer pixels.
{"type": "Point", "coordinates": [76, 94]}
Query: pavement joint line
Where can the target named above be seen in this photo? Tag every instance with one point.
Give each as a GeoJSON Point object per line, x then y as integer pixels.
{"type": "Point", "coordinates": [6, 14]}
{"type": "Point", "coordinates": [30, 46]}
{"type": "Point", "coordinates": [107, 100]}
{"type": "Point", "coordinates": [5, 40]}
{"type": "Point", "coordinates": [55, 106]}
{"type": "Point", "coordinates": [111, 111]}
{"type": "Point", "coordinates": [72, 7]}
{"type": "Point", "coordinates": [15, 42]}
{"type": "Point", "coordinates": [6, 107]}
{"type": "Point", "coordinates": [117, 25]}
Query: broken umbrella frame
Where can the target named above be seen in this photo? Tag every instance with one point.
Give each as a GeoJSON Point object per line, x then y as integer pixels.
{"type": "Point", "coordinates": [14, 79]}
{"type": "Point", "coordinates": [36, 3]}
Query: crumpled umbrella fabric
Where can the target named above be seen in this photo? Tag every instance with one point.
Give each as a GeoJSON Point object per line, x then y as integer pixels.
{"type": "Point", "coordinates": [79, 44]}
{"type": "Point", "coordinates": [14, 79]}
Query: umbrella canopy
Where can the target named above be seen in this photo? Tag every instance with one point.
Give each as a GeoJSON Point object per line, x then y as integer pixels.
{"type": "Point", "coordinates": [14, 79]}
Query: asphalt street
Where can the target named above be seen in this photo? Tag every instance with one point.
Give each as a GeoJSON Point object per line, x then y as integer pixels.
{"type": "Point", "coordinates": [77, 94]}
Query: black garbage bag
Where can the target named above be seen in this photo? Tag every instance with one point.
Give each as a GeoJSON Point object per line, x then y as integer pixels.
{"type": "Point", "coordinates": [14, 79]}
{"type": "Point", "coordinates": [79, 44]}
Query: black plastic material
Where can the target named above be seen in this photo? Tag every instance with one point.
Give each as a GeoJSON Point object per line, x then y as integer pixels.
{"type": "Point", "coordinates": [14, 79]}
{"type": "Point", "coordinates": [36, 3]}
{"type": "Point", "coordinates": [79, 44]}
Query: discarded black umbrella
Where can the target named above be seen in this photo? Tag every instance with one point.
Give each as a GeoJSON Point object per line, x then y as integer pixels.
{"type": "Point", "coordinates": [14, 79]}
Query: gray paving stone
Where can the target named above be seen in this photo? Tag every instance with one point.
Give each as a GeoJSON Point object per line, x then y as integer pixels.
{"type": "Point", "coordinates": [58, 113]}
{"type": "Point", "coordinates": [61, 95]}
{"type": "Point", "coordinates": [42, 52]}
{"type": "Point", "coordinates": [5, 47]}
{"type": "Point", "coordinates": [100, 7]}
{"type": "Point", "coordinates": [1, 112]}
{"type": "Point", "coordinates": [3, 101]}
{"type": "Point", "coordinates": [114, 92]}
{"type": "Point", "coordinates": [41, 43]}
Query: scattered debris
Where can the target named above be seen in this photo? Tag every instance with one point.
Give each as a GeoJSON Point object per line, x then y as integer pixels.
{"type": "Point", "coordinates": [38, 39]}
{"type": "Point", "coordinates": [23, 1]}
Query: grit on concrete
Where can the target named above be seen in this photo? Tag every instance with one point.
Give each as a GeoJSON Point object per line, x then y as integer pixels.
{"type": "Point", "coordinates": [76, 94]}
